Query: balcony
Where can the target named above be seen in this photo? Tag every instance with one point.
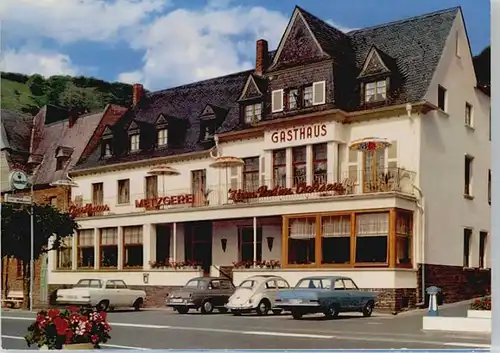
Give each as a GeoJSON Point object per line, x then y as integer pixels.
{"type": "Point", "coordinates": [354, 182]}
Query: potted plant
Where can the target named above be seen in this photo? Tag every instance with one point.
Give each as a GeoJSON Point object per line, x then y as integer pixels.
{"type": "Point", "coordinates": [72, 328]}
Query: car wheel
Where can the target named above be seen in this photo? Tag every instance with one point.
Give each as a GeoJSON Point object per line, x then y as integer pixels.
{"type": "Point", "coordinates": [236, 312]}
{"type": "Point", "coordinates": [263, 307]}
{"type": "Point", "coordinates": [368, 309]}
{"type": "Point", "coordinates": [207, 307]}
{"type": "Point", "coordinates": [182, 309]}
{"type": "Point", "coordinates": [103, 305]}
{"type": "Point", "coordinates": [331, 312]}
{"type": "Point", "coordinates": [222, 310]}
{"type": "Point", "coordinates": [297, 315]}
{"type": "Point", "coordinates": [138, 304]}
{"type": "Point", "coordinates": [276, 311]}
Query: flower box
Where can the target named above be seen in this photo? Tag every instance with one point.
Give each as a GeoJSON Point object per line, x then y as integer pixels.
{"type": "Point", "coordinates": [481, 304]}
{"type": "Point", "coordinates": [271, 264]}
{"type": "Point", "coordinates": [479, 314]}
{"type": "Point", "coordinates": [166, 265]}
{"type": "Point", "coordinates": [72, 328]}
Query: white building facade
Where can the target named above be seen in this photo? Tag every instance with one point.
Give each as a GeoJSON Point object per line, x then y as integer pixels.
{"type": "Point", "coordinates": [406, 208]}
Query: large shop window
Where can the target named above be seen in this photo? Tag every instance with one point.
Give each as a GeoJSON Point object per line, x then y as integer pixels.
{"type": "Point", "coordinates": [246, 244]}
{"type": "Point", "coordinates": [109, 248]}
{"type": "Point", "coordinates": [64, 254]}
{"type": "Point", "coordinates": [301, 240]}
{"type": "Point", "coordinates": [372, 233]}
{"type": "Point", "coordinates": [299, 165]}
{"type": "Point", "coordinates": [133, 246]}
{"type": "Point", "coordinates": [279, 168]}
{"type": "Point", "coordinates": [85, 248]}
{"type": "Point", "coordinates": [251, 174]}
{"type": "Point", "coordinates": [404, 231]}
{"type": "Point", "coordinates": [336, 239]}
{"type": "Point", "coordinates": [320, 162]}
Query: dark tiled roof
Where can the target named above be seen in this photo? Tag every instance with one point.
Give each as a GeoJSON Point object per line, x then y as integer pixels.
{"type": "Point", "coordinates": [184, 102]}
{"type": "Point", "coordinates": [16, 130]}
{"type": "Point", "coordinates": [412, 47]}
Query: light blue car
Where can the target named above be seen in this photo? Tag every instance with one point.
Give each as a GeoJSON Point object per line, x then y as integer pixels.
{"type": "Point", "coordinates": [329, 295]}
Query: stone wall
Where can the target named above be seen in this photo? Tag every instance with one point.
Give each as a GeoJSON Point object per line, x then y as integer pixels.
{"type": "Point", "coordinates": [394, 300]}
{"type": "Point", "coordinates": [456, 283]}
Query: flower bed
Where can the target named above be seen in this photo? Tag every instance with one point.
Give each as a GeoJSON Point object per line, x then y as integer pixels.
{"type": "Point", "coordinates": [54, 329]}
{"type": "Point", "coordinates": [257, 264]}
{"type": "Point", "coordinates": [175, 265]}
{"type": "Point", "coordinates": [481, 304]}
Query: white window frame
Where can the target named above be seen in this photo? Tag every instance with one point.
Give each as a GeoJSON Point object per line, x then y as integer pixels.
{"type": "Point", "coordinates": [254, 117]}
{"type": "Point", "coordinates": [377, 88]}
{"type": "Point", "coordinates": [303, 96]}
{"type": "Point", "coordinates": [107, 149]}
{"type": "Point", "coordinates": [314, 88]}
{"type": "Point", "coordinates": [273, 110]}
{"type": "Point", "coordinates": [162, 136]}
{"type": "Point", "coordinates": [133, 143]}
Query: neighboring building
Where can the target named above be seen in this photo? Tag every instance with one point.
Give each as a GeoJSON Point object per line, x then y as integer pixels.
{"type": "Point", "coordinates": [355, 147]}
{"type": "Point", "coordinates": [58, 140]}
{"type": "Point", "coordinates": [14, 144]}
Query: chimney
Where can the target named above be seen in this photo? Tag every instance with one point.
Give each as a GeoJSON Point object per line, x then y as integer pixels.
{"type": "Point", "coordinates": [261, 57]}
{"type": "Point", "coordinates": [137, 92]}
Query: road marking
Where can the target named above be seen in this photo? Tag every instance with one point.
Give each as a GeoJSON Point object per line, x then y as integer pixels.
{"type": "Point", "coordinates": [285, 334]}
{"type": "Point", "coordinates": [104, 345]}
{"type": "Point", "coordinates": [468, 345]}
{"type": "Point", "coordinates": [362, 336]}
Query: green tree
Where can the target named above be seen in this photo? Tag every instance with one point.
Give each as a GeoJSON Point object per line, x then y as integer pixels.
{"type": "Point", "coordinates": [37, 85]}
{"type": "Point", "coordinates": [16, 234]}
{"type": "Point", "coordinates": [75, 98]}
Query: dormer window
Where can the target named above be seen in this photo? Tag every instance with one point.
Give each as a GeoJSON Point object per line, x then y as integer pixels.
{"type": "Point", "coordinates": [60, 163]}
{"type": "Point", "coordinates": [134, 142]}
{"type": "Point", "coordinates": [375, 91]}
{"type": "Point", "coordinates": [209, 130]}
{"type": "Point", "coordinates": [308, 96]}
{"type": "Point", "coordinates": [107, 149]}
{"type": "Point", "coordinates": [293, 99]}
{"type": "Point", "coordinates": [253, 113]}
{"type": "Point", "coordinates": [162, 137]}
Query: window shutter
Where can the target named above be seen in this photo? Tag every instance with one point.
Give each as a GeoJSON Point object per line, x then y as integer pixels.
{"type": "Point", "coordinates": [319, 92]}
{"type": "Point", "coordinates": [277, 101]}
{"type": "Point", "coordinates": [262, 171]}
{"type": "Point", "coordinates": [235, 182]}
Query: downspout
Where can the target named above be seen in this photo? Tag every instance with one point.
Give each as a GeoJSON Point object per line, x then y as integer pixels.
{"type": "Point", "coordinates": [215, 149]}
{"type": "Point", "coordinates": [421, 207]}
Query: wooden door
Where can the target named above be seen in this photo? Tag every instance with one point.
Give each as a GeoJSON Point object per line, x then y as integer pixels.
{"type": "Point", "coordinates": [373, 169]}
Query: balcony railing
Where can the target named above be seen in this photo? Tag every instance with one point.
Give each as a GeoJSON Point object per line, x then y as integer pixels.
{"type": "Point", "coordinates": [321, 185]}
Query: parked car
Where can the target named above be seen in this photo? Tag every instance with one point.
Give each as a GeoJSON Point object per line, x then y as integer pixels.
{"type": "Point", "coordinates": [257, 293]}
{"type": "Point", "coordinates": [102, 294]}
{"type": "Point", "coordinates": [205, 293]}
{"type": "Point", "coordinates": [329, 295]}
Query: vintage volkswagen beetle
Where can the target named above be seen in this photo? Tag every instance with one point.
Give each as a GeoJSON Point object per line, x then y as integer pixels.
{"type": "Point", "coordinates": [205, 293]}
{"type": "Point", "coordinates": [257, 293]}
{"type": "Point", "coordinates": [329, 295]}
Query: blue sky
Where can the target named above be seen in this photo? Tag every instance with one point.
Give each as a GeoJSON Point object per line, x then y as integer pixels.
{"type": "Point", "coordinates": [163, 43]}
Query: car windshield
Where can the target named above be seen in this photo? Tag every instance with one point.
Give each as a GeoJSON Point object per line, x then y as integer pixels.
{"type": "Point", "coordinates": [247, 284]}
{"type": "Point", "coordinates": [193, 284]}
{"type": "Point", "coordinates": [323, 283]}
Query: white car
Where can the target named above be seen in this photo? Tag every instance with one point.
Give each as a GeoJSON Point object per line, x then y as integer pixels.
{"type": "Point", "coordinates": [102, 294]}
{"type": "Point", "coordinates": [257, 293]}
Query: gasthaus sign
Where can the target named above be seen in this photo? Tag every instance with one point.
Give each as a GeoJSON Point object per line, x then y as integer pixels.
{"type": "Point", "coordinates": [299, 134]}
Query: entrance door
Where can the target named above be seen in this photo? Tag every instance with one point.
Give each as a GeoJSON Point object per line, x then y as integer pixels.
{"type": "Point", "coordinates": [198, 244]}
{"type": "Point", "coordinates": [373, 170]}
{"type": "Point", "coordinates": [199, 186]}
{"type": "Point", "coordinates": [162, 243]}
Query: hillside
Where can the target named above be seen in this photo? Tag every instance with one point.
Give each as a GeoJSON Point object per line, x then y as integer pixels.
{"type": "Point", "coordinates": [28, 93]}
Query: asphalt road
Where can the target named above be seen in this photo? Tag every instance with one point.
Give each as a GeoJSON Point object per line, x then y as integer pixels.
{"type": "Point", "coordinates": [164, 329]}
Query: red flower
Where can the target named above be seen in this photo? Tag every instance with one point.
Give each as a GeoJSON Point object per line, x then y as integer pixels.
{"type": "Point", "coordinates": [53, 313]}
{"type": "Point", "coordinates": [73, 309]}
{"type": "Point", "coordinates": [94, 339]}
{"type": "Point", "coordinates": [103, 315]}
{"type": "Point", "coordinates": [40, 318]}
{"type": "Point", "coordinates": [69, 336]}
{"type": "Point", "coordinates": [61, 326]}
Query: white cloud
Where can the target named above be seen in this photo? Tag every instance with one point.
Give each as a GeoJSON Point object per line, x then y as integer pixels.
{"type": "Point", "coordinates": [69, 21]}
{"type": "Point", "coordinates": [43, 63]}
{"type": "Point", "coordinates": [190, 45]}
{"type": "Point", "coordinates": [339, 26]}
